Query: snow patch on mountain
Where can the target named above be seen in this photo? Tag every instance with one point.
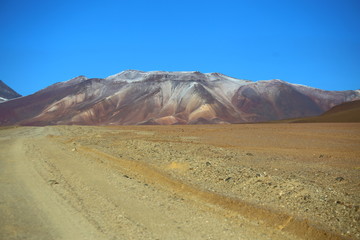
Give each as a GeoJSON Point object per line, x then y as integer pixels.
{"type": "Point", "coordinates": [138, 76]}
{"type": "Point", "coordinates": [127, 76]}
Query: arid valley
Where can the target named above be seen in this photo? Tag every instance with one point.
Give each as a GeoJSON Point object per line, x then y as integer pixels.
{"type": "Point", "coordinates": [242, 181]}
{"type": "Point", "coordinates": [179, 120]}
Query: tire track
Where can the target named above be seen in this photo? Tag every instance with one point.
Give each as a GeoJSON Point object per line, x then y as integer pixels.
{"type": "Point", "coordinates": [235, 207]}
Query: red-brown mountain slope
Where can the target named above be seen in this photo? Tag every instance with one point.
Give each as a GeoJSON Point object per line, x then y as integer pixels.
{"type": "Point", "coordinates": [136, 97]}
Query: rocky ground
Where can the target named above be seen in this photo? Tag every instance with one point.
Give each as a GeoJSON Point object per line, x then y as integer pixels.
{"type": "Point", "coordinates": [250, 181]}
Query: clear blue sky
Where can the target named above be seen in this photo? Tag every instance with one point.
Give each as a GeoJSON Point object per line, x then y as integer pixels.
{"type": "Point", "coordinates": [310, 42]}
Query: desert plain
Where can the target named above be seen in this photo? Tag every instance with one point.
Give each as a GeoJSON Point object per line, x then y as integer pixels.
{"type": "Point", "coordinates": [245, 181]}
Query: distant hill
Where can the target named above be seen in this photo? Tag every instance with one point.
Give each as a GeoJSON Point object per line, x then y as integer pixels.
{"type": "Point", "coordinates": [345, 112]}
{"type": "Point", "coordinates": [6, 92]}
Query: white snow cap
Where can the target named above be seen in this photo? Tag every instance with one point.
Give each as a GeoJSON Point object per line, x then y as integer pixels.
{"type": "Point", "coordinates": [126, 75]}
{"type": "Point", "coordinates": [137, 76]}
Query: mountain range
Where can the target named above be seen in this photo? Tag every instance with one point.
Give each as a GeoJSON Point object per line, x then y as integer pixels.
{"type": "Point", "coordinates": [160, 97]}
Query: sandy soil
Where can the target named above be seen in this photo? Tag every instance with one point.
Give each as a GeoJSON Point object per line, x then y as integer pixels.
{"type": "Point", "coordinates": [252, 181]}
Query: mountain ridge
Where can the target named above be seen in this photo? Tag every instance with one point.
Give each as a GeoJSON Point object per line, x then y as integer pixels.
{"type": "Point", "coordinates": [7, 93]}
{"type": "Point", "coordinates": [344, 112]}
{"type": "Point", "coordinates": [160, 97]}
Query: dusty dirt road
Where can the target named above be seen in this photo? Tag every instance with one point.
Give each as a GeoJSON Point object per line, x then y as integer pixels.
{"type": "Point", "coordinates": [263, 181]}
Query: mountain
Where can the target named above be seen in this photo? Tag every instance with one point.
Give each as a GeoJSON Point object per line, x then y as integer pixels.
{"type": "Point", "coordinates": [6, 92]}
{"type": "Point", "coordinates": [159, 97]}
{"type": "Point", "coordinates": [345, 112]}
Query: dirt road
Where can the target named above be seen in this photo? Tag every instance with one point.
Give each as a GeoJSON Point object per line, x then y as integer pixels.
{"type": "Point", "coordinates": [275, 181]}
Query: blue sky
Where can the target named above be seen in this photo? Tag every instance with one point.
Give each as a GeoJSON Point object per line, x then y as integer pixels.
{"type": "Point", "coordinates": [310, 42]}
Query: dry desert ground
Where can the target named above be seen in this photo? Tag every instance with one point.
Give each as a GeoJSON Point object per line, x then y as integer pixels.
{"type": "Point", "coordinates": [248, 181]}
